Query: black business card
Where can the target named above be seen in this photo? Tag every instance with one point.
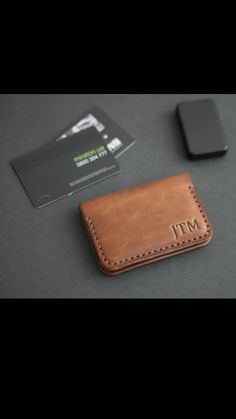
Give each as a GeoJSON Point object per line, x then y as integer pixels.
{"type": "Point", "coordinates": [116, 138]}
{"type": "Point", "coordinates": [65, 167]}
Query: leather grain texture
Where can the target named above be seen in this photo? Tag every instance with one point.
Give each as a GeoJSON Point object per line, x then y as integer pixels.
{"type": "Point", "coordinates": [146, 223]}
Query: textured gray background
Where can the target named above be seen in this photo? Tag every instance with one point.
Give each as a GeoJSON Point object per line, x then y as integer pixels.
{"type": "Point", "coordinates": [46, 252]}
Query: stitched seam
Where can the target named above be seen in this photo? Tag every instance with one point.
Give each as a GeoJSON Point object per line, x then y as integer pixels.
{"type": "Point", "coordinates": [154, 251]}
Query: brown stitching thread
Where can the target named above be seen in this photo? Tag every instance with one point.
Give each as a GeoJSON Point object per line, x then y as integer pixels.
{"type": "Point", "coordinates": [92, 229]}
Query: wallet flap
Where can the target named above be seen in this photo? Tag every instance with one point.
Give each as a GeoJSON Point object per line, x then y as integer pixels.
{"type": "Point", "coordinates": [146, 222]}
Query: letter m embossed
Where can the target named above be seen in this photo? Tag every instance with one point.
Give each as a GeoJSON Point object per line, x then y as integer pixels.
{"type": "Point", "coordinates": [193, 225]}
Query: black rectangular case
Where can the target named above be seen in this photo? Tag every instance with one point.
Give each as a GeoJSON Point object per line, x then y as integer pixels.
{"type": "Point", "coordinates": [202, 128]}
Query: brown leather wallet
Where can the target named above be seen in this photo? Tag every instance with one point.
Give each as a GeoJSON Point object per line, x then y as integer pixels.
{"type": "Point", "coordinates": [136, 226]}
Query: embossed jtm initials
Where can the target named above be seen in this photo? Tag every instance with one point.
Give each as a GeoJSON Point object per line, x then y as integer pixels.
{"type": "Point", "coordinates": [185, 227]}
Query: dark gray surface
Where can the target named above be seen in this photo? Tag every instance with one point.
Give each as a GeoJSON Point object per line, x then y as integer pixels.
{"type": "Point", "coordinates": [46, 252]}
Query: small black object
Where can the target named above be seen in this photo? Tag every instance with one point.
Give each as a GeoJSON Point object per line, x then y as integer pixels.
{"type": "Point", "coordinates": [202, 128]}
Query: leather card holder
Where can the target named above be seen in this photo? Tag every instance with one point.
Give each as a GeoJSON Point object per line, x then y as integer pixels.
{"type": "Point", "coordinates": [146, 223]}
